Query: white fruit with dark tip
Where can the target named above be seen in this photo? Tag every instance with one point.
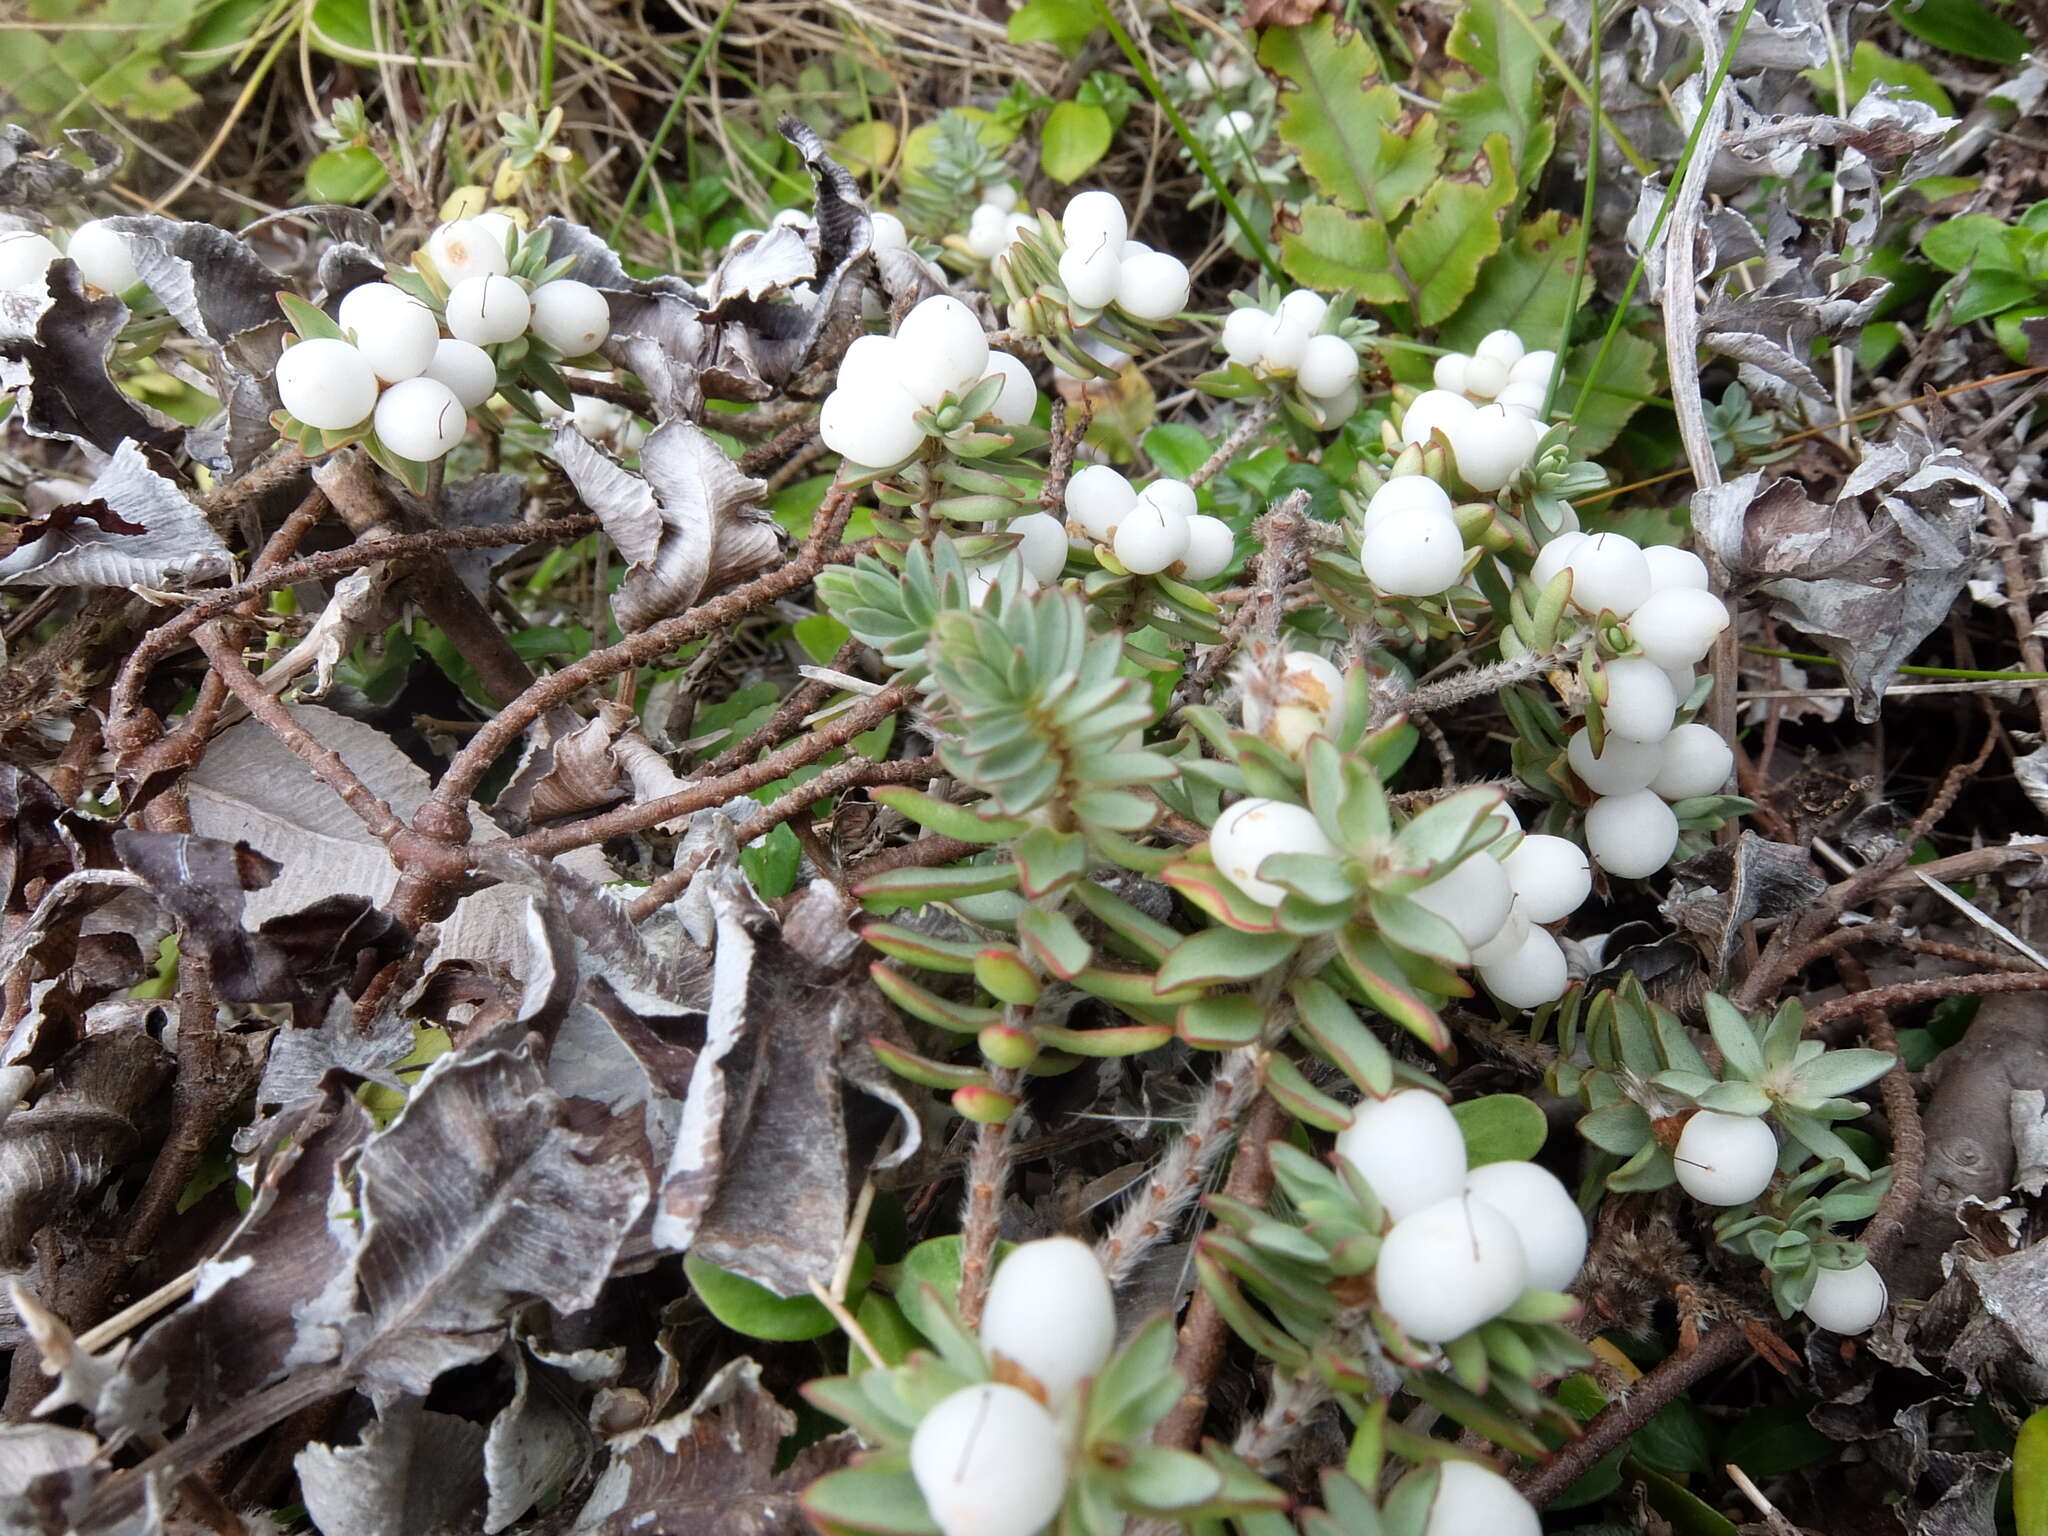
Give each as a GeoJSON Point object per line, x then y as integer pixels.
{"type": "Point", "coordinates": [465, 368]}
{"type": "Point", "coordinates": [326, 383]}
{"type": "Point", "coordinates": [1473, 897]}
{"type": "Point", "coordinates": [1211, 548]}
{"type": "Point", "coordinates": [1620, 768]}
{"type": "Point", "coordinates": [1173, 496]}
{"type": "Point", "coordinates": [1449, 1267]}
{"type": "Point", "coordinates": [1696, 760]}
{"type": "Point", "coordinates": [1534, 974]}
{"type": "Point", "coordinates": [1151, 536]}
{"type": "Point", "coordinates": [1407, 496]}
{"type": "Point", "coordinates": [25, 258]}
{"type": "Point", "coordinates": [1678, 626]}
{"type": "Point", "coordinates": [1432, 411]}
{"type": "Point", "coordinates": [1091, 276]}
{"type": "Point", "coordinates": [1414, 556]}
{"type": "Point", "coordinates": [989, 1462]}
{"type": "Point", "coordinates": [1543, 1214]}
{"type": "Point", "coordinates": [1609, 575]}
{"type": "Point", "coordinates": [420, 419]}
{"type": "Point", "coordinates": [487, 310]}
{"type": "Point", "coordinates": [1725, 1159]}
{"type": "Point", "coordinates": [1847, 1301]}
{"type": "Point", "coordinates": [1471, 1500]}
{"type": "Point", "coordinates": [1041, 544]}
{"type": "Point", "coordinates": [1514, 933]}
{"type": "Point", "coordinates": [1492, 446]}
{"type": "Point", "coordinates": [1253, 831]}
{"type": "Point", "coordinates": [465, 249]}
{"type": "Point", "coordinates": [1551, 877]}
{"type": "Point", "coordinates": [1631, 835]}
{"type": "Point", "coordinates": [1097, 499]}
{"type": "Point", "coordinates": [1408, 1149]}
{"type": "Point", "coordinates": [1094, 221]}
{"type": "Point", "coordinates": [1049, 1311]}
{"type": "Point", "coordinates": [393, 330]}
{"type": "Point", "coordinates": [1286, 340]}
{"type": "Point", "coordinates": [1505, 347]}
{"type": "Point", "coordinates": [941, 350]}
{"type": "Point", "coordinates": [1019, 395]}
{"type": "Point", "coordinates": [101, 256]}
{"type": "Point", "coordinates": [571, 317]}
{"type": "Point", "coordinates": [1641, 702]}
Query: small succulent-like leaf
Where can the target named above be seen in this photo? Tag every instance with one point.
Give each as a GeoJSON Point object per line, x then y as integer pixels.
{"type": "Point", "coordinates": [1302, 1099]}
{"type": "Point", "coordinates": [1329, 1026]}
{"type": "Point", "coordinates": [1813, 1133]}
{"type": "Point", "coordinates": [1119, 1040]}
{"type": "Point", "coordinates": [1221, 1023]}
{"type": "Point", "coordinates": [1733, 1037]}
{"type": "Point", "coordinates": [1223, 954]}
{"type": "Point", "coordinates": [1735, 1098]}
{"type": "Point", "coordinates": [922, 1069]}
{"type": "Point", "coordinates": [1837, 1073]}
{"type": "Point", "coordinates": [946, 818]}
{"type": "Point", "coordinates": [921, 1003]}
{"type": "Point", "coordinates": [1052, 940]}
{"type": "Point", "coordinates": [879, 1495]}
{"type": "Point", "coordinates": [1160, 1479]}
{"type": "Point", "coordinates": [1500, 1128]}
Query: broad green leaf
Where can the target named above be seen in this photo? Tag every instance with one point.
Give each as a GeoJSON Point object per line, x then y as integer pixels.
{"type": "Point", "coordinates": [1176, 449]}
{"type": "Point", "coordinates": [1966, 27]}
{"type": "Point", "coordinates": [1075, 138]}
{"type": "Point", "coordinates": [350, 175]}
{"type": "Point", "coordinates": [758, 1312]}
{"type": "Point", "coordinates": [1335, 249]}
{"type": "Point", "coordinates": [1981, 241]}
{"type": "Point", "coordinates": [1345, 122]}
{"type": "Point", "coordinates": [1871, 65]}
{"type": "Point", "coordinates": [1525, 287]}
{"type": "Point", "coordinates": [1223, 954]}
{"type": "Point", "coordinates": [1507, 73]}
{"type": "Point", "coordinates": [1455, 228]}
{"type": "Point", "coordinates": [1625, 383]}
{"type": "Point", "coordinates": [1675, 1440]}
{"type": "Point", "coordinates": [1065, 23]}
{"type": "Point", "coordinates": [1733, 1037]}
{"type": "Point", "coordinates": [1158, 1478]}
{"type": "Point", "coordinates": [1500, 1128]}
{"type": "Point", "coordinates": [866, 148]}
{"type": "Point", "coordinates": [1777, 1438]}
{"type": "Point", "coordinates": [344, 30]}
{"type": "Point", "coordinates": [934, 1262]}
{"type": "Point", "coordinates": [1842, 1072]}
{"type": "Point", "coordinates": [875, 1496]}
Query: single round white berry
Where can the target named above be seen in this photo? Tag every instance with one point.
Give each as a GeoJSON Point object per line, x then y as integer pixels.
{"type": "Point", "coordinates": [1554, 557]}
{"type": "Point", "coordinates": [1526, 398]}
{"type": "Point", "coordinates": [1534, 368]}
{"type": "Point", "coordinates": [1847, 1301]}
{"type": "Point", "coordinates": [1449, 1267]}
{"type": "Point", "coordinates": [1725, 1159]}
{"type": "Point", "coordinates": [1232, 72]}
{"type": "Point", "coordinates": [420, 419]}
{"type": "Point", "coordinates": [986, 235]}
{"type": "Point", "coordinates": [1235, 125]}
{"type": "Point", "coordinates": [1492, 446]}
{"type": "Point", "coordinates": [1095, 221]}
{"type": "Point", "coordinates": [1285, 342]}
{"type": "Point", "coordinates": [1019, 396]}
{"type": "Point", "coordinates": [1328, 366]}
{"type": "Point", "coordinates": [326, 384]}
{"type": "Point", "coordinates": [1151, 537]}
{"type": "Point", "coordinates": [1473, 897]}
{"type": "Point", "coordinates": [1432, 411]}
{"type": "Point", "coordinates": [1505, 347]}
{"type": "Point", "coordinates": [1244, 334]}
{"type": "Point", "coordinates": [1408, 1149]}
{"type": "Point", "coordinates": [1419, 555]}
{"type": "Point", "coordinates": [1252, 831]}
{"type": "Point", "coordinates": [1332, 411]}
{"type": "Point", "coordinates": [1671, 566]}
{"type": "Point", "coordinates": [989, 1462]}
{"type": "Point", "coordinates": [1406, 496]}
{"type": "Point", "coordinates": [941, 349]}
{"type": "Point", "coordinates": [1200, 79]}
{"type": "Point", "coordinates": [466, 369]}
{"type": "Point", "coordinates": [886, 233]}
{"type": "Point", "coordinates": [1050, 1312]}
{"type": "Point", "coordinates": [1632, 835]}
{"type": "Point", "coordinates": [25, 257]}
{"type": "Point", "coordinates": [1151, 285]}
{"type": "Point", "coordinates": [1097, 499]}
{"type": "Point", "coordinates": [1451, 371]}
{"type": "Point", "coordinates": [499, 225]}
{"type": "Point", "coordinates": [1172, 495]}
{"type": "Point", "coordinates": [102, 257]}
{"type": "Point", "coordinates": [1514, 933]}
{"type": "Point", "coordinates": [1042, 544]}
{"type": "Point", "coordinates": [1622, 767]}
{"type": "Point", "coordinates": [1551, 878]}
{"type": "Point", "coordinates": [1696, 761]}
{"type": "Point", "coordinates": [394, 330]}
{"type": "Point", "coordinates": [869, 363]}
{"type": "Point", "coordinates": [571, 317]}
{"type": "Point", "coordinates": [1678, 626]}
{"type": "Point", "coordinates": [1016, 226]}
{"type": "Point", "coordinates": [1305, 308]}
{"type": "Point", "coordinates": [1472, 1500]}
{"type": "Point", "coordinates": [1543, 1214]}
{"type": "Point", "coordinates": [1003, 194]}
{"type": "Point", "coordinates": [1486, 377]}
{"type": "Point", "coordinates": [1609, 575]}
{"type": "Point", "coordinates": [466, 249]}
{"type": "Point", "coordinates": [1211, 548]}
{"type": "Point", "coordinates": [872, 428]}
{"type": "Point", "coordinates": [1640, 703]}
{"type": "Point", "coordinates": [488, 309]}
{"type": "Point", "coordinates": [1533, 975]}
{"type": "Point", "coordinates": [792, 218]}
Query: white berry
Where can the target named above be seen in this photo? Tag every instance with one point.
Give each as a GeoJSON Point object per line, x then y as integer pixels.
{"type": "Point", "coordinates": [326, 384]}
{"type": "Point", "coordinates": [941, 349]}
{"type": "Point", "coordinates": [1172, 495]}
{"type": "Point", "coordinates": [1285, 342]}
{"type": "Point", "coordinates": [1554, 557]}
{"type": "Point", "coordinates": [1640, 700]}
{"type": "Point", "coordinates": [1671, 566]}
{"type": "Point", "coordinates": [1526, 398]}
{"type": "Point", "coordinates": [1473, 898]}
{"type": "Point", "coordinates": [1632, 835]}
{"type": "Point", "coordinates": [488, 309]}
{"type": "Point", "coordinates": [1049, 1311]}
{"type": "Point", "coordinates": [420, 419]}
{"type": "Point", "coordinates": [1543, 1214]}
{"type": "Point", "coordinates": [1678, 626]}
{"type": "Point", "coordinates": [1019, 395]}
{"type": "Point", "coordinates": [393, 330]}
{"type": "Point", "coordinates": [1504, 347]}
{"type": "Point", "coordinates": [1097, 499]}
{"type": "Point", "coordinates": [465, 249]}
{"type": "Point", "coordinates": [869, 363]}
{"type": "Point", "coordinates": [1211, 548]}
{"type": "Point", "coordinates": [1451, 372]}
{"type": "Point", "coordinates": [1406, 496]}
{"type": "Point", "coordinates": [1696, 760]}
{"type": "Point", "coordinates": [24, 259]}
{"type": "Point", "coordinates": [1151, 285]}
{"type": "Point", "coordinates": [1095, 221]}
{"type": "Point", "coordinates": [1152, 535]}
{"type": "Point", "coordinates": [1503, 946]}
{"type": "Point", "coordinates": [1485, 377]}
{"type": "Point", "coordinates": [465, 368]}
{"type": "Point", "coordinates": [1533, 368]}
{"type": "Point", "coordinates": [1408, 1149]}
{"type": "Point", "coordinates": [1622, 766]}
{"type": "Point", "coordinates": [1244, 334]}
{"type": "Point", "coordinates": [1415, 556]}
{"type": "Point", "coordinates": [1305, 308]}
{"type": "Point", "coordinates": [1847, 1301]}
{"type": "Point", "coordinates": [1252, 831]}
{"type": "Point", "coordinates": [1471, 1500]}
{"type": "Point", "coordinates": [1551, 877]}
{"type": "Point", "coordinates": [1091, 277]}
{"type": "Point", "coordinates": [873, 428]}
{"type": "Point", "coordinates": [1609, 575]}
{"type": "Point", "coordinates": [1432, 411]}
{"type": "Point", "coordinates": [1042, 544]}
{"type": "Point", "coordinates": [1449, 1267]}
{"type": "Point", "coordinates": [1492, 446]}
{"type": "Point", "coordinates": [1533, 975]}
{"type": "Point", "coordinates": [571, 317]}
{"type": "Point", "coordinates": [886, 233]}
{"type": "Point", "coordinates": [1328, 367]}
{"type": "Point", "coordinates": [989, 1462]}
{"type": "Point", "coordinates": [1725, 1159]}
{"type": "Point", "coordinates": [102, 257]}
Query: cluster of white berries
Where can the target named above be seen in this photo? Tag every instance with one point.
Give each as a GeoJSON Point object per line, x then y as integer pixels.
{"type": "Point", "coordinates": [992, 1460]}
{"type": "Point", "coordinates": [996, 222]}
{"type": "Point", "coordinates": [885, 382]}
{"type": "Point", "coordinates": [1489, 408]}
{"type": "Point", "coordinates": [1207, 77]}
{"type": "Point", "coordinates": [1645, 761]}
{"type": "Point", "coordinates": [1102, 265]}
{"type": "Point", "coordinates": [413, 384]}
{"type": "Point", "coordinates": [1150, 531]}
{"type": "Point", "coordinates": [1290, 339]}
{"type": "Point", "coordinates": [100, 254]}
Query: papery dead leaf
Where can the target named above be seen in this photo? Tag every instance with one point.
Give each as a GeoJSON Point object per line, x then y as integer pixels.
{"type": "Point", "coordinates": [54, 351]}
{"type": "Point", "coordinates": [133, 526]}
{"type": "Point", "coordinates": [415, 1471]}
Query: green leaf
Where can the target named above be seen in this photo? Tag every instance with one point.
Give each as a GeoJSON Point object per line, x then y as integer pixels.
{"type": "Point", "coordinates": [352, 174]}
{"type": "Point", "coordinates": [758, 1312]}
{"type": "Point", "coordinates": [775, 864]}
{"type": "Point", "coordinates": [1455, 228]}
{"type": "Point", "coordinates": [1330, 1026]}
{"type": "Point", "coordinates": [1962, 26]}
{"type": "Point", "coordinates": [1176, 449]}
{"type": "Point", "coordinates": [934, 1262]}
{"type": "Point", "coordinates": [1621, 1127]}
{"type": "Point", "coordinates": [1500, 1128]}
{"type": "Point", "coordinates": [1835, 1073]}
{"type": "Point", "coordinates": [1626, 380]}
{"type": "Point", "coordinates": [1064, 23]}
{"type": "Point", "coordinates": [1129, 1385]}
{"type": "Point", "coordinates": [1980, 241]}
{"type": "Point", "coordinates": [1076, 137]}
{"type": "Point", "coordinates": [879, 1495]}
{"type": "Point", "coordinates": [1525, 287]}
{"type": "Point", "coordinates": [914, 887]}
{"type": "Point", "coordinates": [1156, 1478]}
{"type": "Point", "coordinates": [309, 320]}
{"type": "Point", "coordinates": [1508, 74]}
{"type": "Point", "coordinates": [1221, 1023]}
{"type": "Point", "coordinates": [1302, 1099]}
{"type": "Point", "coordinates": [343, 30]}
{"type": "Point", "coordinates": [1733, 1037]}
{"type": "Point", "coordinates": [1776, 1438]}
{"type": "Point", "coordinates": [1223, 954]}
{"type": "Point", "coordinates": [1344, 121]}
{"type": "Point", "coordinates": [1736, 1098]}
{"type": "Point", "coordinates": [1335, 249]}
{"type": "Point", "coordinates": [1675, 1440]}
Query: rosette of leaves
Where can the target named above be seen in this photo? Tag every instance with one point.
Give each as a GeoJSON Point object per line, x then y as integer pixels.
{"type": "Point", "coordinates": [891, 608]}
{"type": "Point", "coordinates": [1238, 381]}
{"type": "Point", "coordinates": [1298, 1288]}
{"type": "Point", "coordinates": [941, 194]}
{"type": "Point", "coordinates": [970, 470]}
{"type": "Point", "coordinates": [1790, 1229]}
{"type": "Point", "coordinates": [1639, 1073]}
{"type": "Point", "coordinates": [1114, 1474]}
{"type": "Point", "coordinates": [1027, 281]}
{"type": "Point", "coordinates": [1552, 481]}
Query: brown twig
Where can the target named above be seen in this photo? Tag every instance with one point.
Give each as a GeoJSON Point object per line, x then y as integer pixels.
{"type": "Point", "coordinates": [988, 1172]}
{"type": "Point", "coordinates": [1902, 1111]}
{"type": "Point", "coordinates": [925, 852]}
{"type": "Point", "coordinates": [1908, 993]}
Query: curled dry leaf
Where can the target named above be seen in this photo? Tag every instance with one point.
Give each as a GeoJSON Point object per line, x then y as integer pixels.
{"type": "Point", "coordinates": [53, 355]}
{"type": "Point", "coordinates": [1716, 895]}
{"type": "Point", "coordinates": [33, 177]}
{"type": "Point", "coordinates": [134, 525]}
{"type": "Point", "coordinates": [414, 1471]}
{"type": "Point", "coordinates": [81, 1375]}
